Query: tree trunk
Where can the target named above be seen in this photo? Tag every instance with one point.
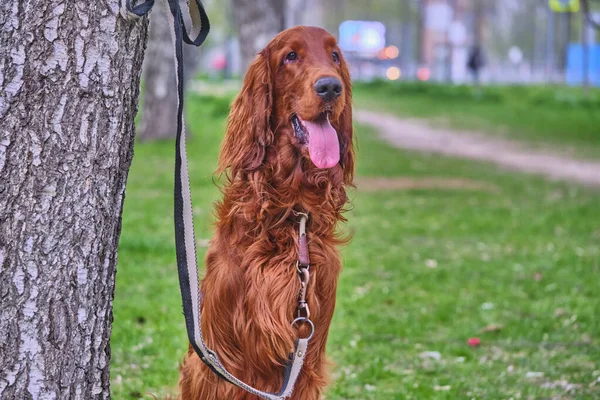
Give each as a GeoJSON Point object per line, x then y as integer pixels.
{"type": "Point", "coordinates": [159, 108]}
{"type": "Point", "coordinates": [306, 12]}
{"type": "Point", "coordinates": [585, 55]}
{"type": "Point", "coordinates": [69, 85]}
{"type": "Point", "coordinates": [258, 22]}
{"type": "Point", "coordinates": [422, 39]}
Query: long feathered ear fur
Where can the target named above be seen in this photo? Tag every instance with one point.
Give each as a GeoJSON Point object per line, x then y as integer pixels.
{"type": "Point", "coordinates": [346, 129]}
{"type": "Point", "coordinates": [249, 123]}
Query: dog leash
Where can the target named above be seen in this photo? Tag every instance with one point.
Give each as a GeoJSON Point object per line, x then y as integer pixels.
{"type": "Point", "coordinates": [185, 243]}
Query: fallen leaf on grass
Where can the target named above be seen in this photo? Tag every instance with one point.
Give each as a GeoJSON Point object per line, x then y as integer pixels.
{"type": "Point", "coordinates": [361, 291]}
{"type": "Point", "coordinates": [586, 338]}
{"type": "Point", "coordinates": [565, 385]}
{"type": "Point", "coordinates": [559, 312]}
{"type": "Point", "coordinates": [436, 355]}
{"type": "Point", "coordinates": [534, 375]}
{"type": "Point", "coordinates": [492, 328]}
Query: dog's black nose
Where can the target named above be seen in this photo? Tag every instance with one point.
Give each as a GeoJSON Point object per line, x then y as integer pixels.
{"type": "Point", "coordinates": [328, 88]}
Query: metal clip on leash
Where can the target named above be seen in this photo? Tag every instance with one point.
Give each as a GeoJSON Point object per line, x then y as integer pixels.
{"type": "Point", "coordinates": [302, 309]}
{"type": "Point", "coordinates": [303, 269]}
{"type": "Point", "coordinates": [185, 243]}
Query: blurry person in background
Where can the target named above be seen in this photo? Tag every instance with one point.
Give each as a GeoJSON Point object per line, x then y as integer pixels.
{"type": "Point", "coordinates": [475, 62]}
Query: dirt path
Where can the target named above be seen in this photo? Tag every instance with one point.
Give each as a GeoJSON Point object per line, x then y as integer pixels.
{"type": "Point", "coordinates": [417, 135]}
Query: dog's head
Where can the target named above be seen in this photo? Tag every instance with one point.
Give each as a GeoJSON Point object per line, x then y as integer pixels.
{"type": "Point", "coordinates": [296, 102]}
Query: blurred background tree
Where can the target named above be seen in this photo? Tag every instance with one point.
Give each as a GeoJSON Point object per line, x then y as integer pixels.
{"type": "Point", "coordinates": [159, 108]}
{"type": "Point", "coordinates": [257, 21]}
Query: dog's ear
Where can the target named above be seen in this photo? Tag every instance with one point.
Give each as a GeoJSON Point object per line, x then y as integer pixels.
{"type": "Point", "coordinates": [249, 124]}
{"type": "Point", "coordinates": [346, 130]}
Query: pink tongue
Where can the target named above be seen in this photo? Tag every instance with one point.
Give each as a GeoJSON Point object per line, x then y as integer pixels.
{"type": "Point", "coordinates": [323, 144]}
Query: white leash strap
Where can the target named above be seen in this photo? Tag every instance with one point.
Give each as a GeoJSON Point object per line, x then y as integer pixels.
{"type": "Point", "coordinates": [184, 227]}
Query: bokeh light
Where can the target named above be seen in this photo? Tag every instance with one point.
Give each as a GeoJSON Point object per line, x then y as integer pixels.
{"type": "Point", "coordinates": [393, 73]}
{"type": "Point", "coordinates": [423, 74]}
{"type": "Point", "coordinates": [391, 52]}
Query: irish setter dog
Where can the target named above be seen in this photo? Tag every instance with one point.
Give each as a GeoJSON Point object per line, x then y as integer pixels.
{"type": "Point", "coordinates": [288, 148]}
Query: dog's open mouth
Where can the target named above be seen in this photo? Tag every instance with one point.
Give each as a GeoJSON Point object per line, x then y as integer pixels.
{"type": "Point", "coordinates": [320, 138]}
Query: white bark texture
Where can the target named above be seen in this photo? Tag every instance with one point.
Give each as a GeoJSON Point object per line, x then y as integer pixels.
{"type": "Point", "coordinates": [258, 21]}
{"type": "Point", "coordinates": [69, 84]}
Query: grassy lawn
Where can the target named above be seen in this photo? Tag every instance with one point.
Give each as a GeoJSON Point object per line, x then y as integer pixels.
{"type": "Point", "coordinates": [514, 262]}
{"type": "Point", "coordinates": [557, 117]}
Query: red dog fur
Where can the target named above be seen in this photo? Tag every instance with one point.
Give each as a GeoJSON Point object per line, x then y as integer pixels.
{"type": "Point", "coordinates": [251, 284]}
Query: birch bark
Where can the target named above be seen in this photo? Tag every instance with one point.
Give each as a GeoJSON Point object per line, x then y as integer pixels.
{"type": "Point", "coordinates": [69, 85]}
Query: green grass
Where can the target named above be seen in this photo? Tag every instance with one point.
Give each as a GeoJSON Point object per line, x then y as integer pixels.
{"type": "Point", "coordinates": [559, 117]}
{"type": "Point", "coordinates": [427, 269]}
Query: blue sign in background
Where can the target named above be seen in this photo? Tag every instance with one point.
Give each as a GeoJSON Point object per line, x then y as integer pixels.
{"type": "Point", "coordinates": [362, 36]}
{"type": "Point", "coordinates": [575, 64]}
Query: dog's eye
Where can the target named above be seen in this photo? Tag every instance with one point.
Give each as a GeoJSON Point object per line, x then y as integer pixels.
{"type": "Point", "coordinates": [291, 57]}
{"type": "Point", "coordinates": [336, 57]}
